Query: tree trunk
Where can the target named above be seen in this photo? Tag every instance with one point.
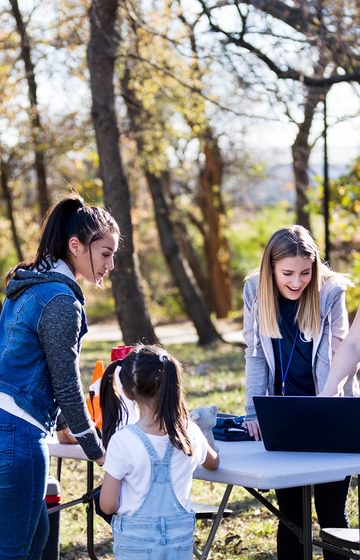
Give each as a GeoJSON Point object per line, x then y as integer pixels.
{"type": "Point", "coordinates": [131, 308]}
{"type": "Point", "coordinates": [190, 254]}
{"type": "Point", "coordinates": [194, 303]}
{"type": "Point", "coordinates": [217, 252]}
{"type": "Point", "coordinates": [301, 151]}
{"type": "Point", "coordinates": [181, 273]}
{"type": "Point", "coordinates": [36, 126]}
{"type": "Point", "coordinates": [9, 206]}
{"type": "Point", "coordinates": [216, 245]}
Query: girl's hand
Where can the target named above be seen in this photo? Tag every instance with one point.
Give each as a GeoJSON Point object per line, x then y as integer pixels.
{"type": "Point", "coordinates": [253, 428]}
{"type": "Point", "coordinates": [212, 459]}
{"type": "Point", "coordinates": [65, 436]}
{"type": "Point", "coordinates": [100, 461]}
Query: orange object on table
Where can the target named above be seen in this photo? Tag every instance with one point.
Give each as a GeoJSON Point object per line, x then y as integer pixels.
{"type": "Point", "coordinates": [93, 400]}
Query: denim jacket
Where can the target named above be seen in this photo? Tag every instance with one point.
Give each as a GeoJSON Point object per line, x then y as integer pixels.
{"type": "Point", "coordinates": [24, 367]}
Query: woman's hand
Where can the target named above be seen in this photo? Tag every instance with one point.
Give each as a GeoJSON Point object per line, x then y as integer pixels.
{"type": "Point", "coordinates": [253, 428]}
{"type": "Point", "coordinates": [65, 436]}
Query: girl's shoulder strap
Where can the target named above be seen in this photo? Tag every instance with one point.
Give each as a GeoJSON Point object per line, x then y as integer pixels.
{"type": "Point", "coordinates": [148, 445]}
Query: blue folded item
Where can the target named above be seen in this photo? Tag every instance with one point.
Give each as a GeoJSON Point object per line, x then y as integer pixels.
{"type": "Point", "coordinates": [230, 428]}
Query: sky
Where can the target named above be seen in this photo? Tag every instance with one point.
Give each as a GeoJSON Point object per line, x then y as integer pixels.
{"type": "Point", "coordinates": [266, 137]}
{"type": "Point", "coordinates": [342, 100]}
{"type": "Point", "coordinates": [343, 129]}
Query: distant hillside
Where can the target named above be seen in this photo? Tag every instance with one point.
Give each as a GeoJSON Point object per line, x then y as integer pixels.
{"type": "Point", "coordinates": [279, 182]}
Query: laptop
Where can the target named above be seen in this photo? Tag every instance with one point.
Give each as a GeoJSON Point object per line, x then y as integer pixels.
{"type": "Point", "coordinates": [319, 424]}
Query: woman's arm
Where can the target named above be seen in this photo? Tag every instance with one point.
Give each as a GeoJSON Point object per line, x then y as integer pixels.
{"type": "Point", "coordinates": [59, 331]}
{"type": "Point", "coordinates": [256, 368]}
{"type": "Point", "coordinates": [339, 320]}
{"type": "Point", "coordinates": [345, 361]}
{"type": "Point", "coordinates": [110, 494]}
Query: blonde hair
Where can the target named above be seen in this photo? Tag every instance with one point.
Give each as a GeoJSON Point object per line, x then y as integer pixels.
{"type": "Point", "coordinates": [295, 241]}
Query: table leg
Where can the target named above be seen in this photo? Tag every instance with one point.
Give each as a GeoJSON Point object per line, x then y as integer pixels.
{"type": "Point", "coordinates": [90, 511]}
{"type": "Point", "coordinates": [204, 554]}
{"type": "Point", "coordinates": [304, 535]}
{"type": "Point", "coordinates": [358, 496]}
{"type": "Point", "coordinates": [289, 524]}
{"type": "Point", "coordinates": [307, 523]}
{"type": "Point", "coordinates": [58, 468]}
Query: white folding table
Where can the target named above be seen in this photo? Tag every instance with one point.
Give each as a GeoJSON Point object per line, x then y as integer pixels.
{"type": "Point", "coordinates": [249, 465]}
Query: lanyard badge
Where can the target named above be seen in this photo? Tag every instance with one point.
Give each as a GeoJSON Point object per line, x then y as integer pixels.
{"type": "Point", "coordinates": [284, 374]}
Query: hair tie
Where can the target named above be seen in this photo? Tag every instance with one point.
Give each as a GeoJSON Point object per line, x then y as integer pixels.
{"type": "Point", "coordinates": [117, 371]}
{"type": "Point", "coordinates": [162, 356]}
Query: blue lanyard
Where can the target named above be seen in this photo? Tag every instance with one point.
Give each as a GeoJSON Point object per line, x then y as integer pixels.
{"type": "Point", "coordinates": [284, 375]}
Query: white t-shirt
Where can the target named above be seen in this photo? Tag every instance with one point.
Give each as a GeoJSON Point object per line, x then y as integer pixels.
{"type": "Point", "coordinates": [127, 460]}
{"type": "Point", "coordinates": [132, 408]}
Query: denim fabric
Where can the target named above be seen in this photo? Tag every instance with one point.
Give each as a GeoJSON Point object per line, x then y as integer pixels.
{"type": "Point", "coordinates": [24, 371]}
{"type": "Point", "coordinates": [23, 476]}
{"type": "Point", "coordinates": [161, 529]}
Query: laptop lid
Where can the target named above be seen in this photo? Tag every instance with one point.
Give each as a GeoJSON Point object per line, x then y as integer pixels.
{"type": "Point", "coordinates": [319, 424]}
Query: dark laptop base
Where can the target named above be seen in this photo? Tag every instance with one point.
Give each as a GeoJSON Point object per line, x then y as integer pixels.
{"type": "Point", "coordinates": [318, 424]}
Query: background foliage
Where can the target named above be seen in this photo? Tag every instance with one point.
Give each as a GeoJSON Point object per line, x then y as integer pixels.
{"type": "Point", "coordinates": [192, 76]}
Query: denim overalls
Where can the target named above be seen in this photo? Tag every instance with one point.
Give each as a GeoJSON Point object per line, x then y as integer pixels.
{"type": "Point", "coordinates": [161, 529]}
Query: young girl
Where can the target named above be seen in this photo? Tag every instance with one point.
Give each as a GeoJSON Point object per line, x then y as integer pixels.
{"type": "Point", "coordinates": [294, 319]}
{"type": "Point", "coordinates": [149, 465]}
{"type": "Point", "coordinates": [41, 326]}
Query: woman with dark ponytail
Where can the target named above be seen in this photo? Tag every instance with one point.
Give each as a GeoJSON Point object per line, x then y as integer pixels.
{"type": "Point", "coordinates": [41, 326]}
{"type": "Point", "coordinates": [149, 464]}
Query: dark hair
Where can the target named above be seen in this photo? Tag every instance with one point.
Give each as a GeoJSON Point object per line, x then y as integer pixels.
{"type": "Point", "coordinates": [113, 408]}
{"type": "Point", "coordinates": [147, 373]}
{"type": "Point", "coordinates": [69, 217]}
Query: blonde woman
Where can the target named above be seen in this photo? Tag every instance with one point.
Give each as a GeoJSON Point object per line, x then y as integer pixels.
{"type": "Point", "coordinates": [294, 318]}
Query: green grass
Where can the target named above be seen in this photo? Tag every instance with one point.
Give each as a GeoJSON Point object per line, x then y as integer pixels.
{"type": "Point", "coordinates": [211, 376]}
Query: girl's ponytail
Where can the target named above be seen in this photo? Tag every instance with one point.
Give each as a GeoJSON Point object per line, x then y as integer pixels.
{"type": "Point", "coordinates": [113, 409]}
{"type": "Point", "coordinates": [171, 410]}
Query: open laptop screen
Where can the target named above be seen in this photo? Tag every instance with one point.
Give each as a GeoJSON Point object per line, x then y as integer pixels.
{"type": "Point", "coordinates": [320, 424]}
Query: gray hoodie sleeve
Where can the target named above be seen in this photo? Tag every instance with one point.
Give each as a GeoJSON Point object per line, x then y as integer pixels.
{"type": "Point", "coordinates": [334, 328]}
{"type": "Point", "coordinates": [256, 367]}
{"type": "Point", "coordinates": [59, 328]}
